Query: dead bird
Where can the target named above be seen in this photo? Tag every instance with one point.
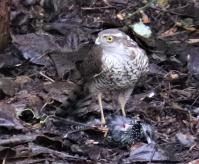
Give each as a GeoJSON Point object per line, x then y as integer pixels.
{"type": "Point", "coordinates": [125, 131]}
{"type": "Point", "coordinates": [120, 130]}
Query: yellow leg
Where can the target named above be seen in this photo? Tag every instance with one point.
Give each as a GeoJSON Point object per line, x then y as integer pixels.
{"type": "Point", "coordinates": [122, 103]}
{"type": "Point", "coordinates": [103, 121]}
{"type": "Point", "coordinates": [123, 97]}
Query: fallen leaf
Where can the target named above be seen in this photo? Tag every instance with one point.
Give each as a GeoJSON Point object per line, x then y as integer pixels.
{"type": "Point", "coordinates": [186, 140]}
{"type": "Point", "coordinates": [169, 32]}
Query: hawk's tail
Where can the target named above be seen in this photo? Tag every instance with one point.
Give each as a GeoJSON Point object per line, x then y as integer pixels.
{"type": "Point", "coordinates": [76, 105]}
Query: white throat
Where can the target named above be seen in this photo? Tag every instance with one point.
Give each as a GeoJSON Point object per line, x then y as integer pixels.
{"type": "Point", "coordinates": [112, 57]}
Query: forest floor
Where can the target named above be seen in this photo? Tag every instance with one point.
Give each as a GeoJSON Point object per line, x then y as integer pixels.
{"type": "Point", "coordinates": [38, 81]}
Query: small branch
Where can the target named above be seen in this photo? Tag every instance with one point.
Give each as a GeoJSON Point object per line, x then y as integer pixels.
{"type": "Point", "coordinates": [17, 140]}
{"type": "Point", "coordinates": [97, 8]}
{"type": "Point", "coordinates": [142, 8]}
{"type": "Point", "coordinates": [4, 23]}
{"type": "Point", "coordinates": [61, 155]}
{"type": "Point", "coordinates": [50, 79]}
{"type": "Point", "coordinates": [172, 11]}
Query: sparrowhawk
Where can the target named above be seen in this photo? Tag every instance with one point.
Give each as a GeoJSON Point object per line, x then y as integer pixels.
{"type": "Point", "coordinates": [116, 63]}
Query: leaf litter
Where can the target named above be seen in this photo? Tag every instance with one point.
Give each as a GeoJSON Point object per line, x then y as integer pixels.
{"type": "Point", "coordinates": [39, 82]}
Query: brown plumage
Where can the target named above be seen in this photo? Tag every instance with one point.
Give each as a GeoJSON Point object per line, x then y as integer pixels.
{"type": "Point", "coordinates": [91, 65]}
{"type": "Point", "coordinates": [116, 63]}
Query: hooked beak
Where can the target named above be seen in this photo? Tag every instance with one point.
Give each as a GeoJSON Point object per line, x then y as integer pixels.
{"type": "Point", "coordinates": [97, 41]}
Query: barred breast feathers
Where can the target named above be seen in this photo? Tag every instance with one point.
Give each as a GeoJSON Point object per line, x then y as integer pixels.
{"type": "Point", "coordinates": [122, 66]}
{"type": "Point", "coordinates": [119, 59]}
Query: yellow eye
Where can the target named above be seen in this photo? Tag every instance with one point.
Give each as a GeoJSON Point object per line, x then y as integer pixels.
{"type": "Point", "coordinates": [109, 39]}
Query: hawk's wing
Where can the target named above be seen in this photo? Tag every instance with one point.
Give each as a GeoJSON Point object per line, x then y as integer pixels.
{"type": "Point", "coordinates": [91, 64]}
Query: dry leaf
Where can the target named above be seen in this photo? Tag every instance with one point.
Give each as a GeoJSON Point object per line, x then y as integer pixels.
{"type": "Point", "coordinates": [169, 32]}
{"type": "Point", "coordinates": [145, 18]}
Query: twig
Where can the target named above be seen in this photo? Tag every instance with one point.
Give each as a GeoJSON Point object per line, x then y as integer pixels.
{"type": "Point", "coordinates": [196, 99]}
{"type": "Point", "coordinates": [48, 102]}
{"type": "Point", "coordinates": [106, 2]}
{"type": "Point", "coordinates": [142, 8]}
{"type": "Point", "coordinates": [97, 8]}
{"type": "Point", "coordinates": [61, 155]}
{"type": "Point", "coordinates": [109, 6]}
{"type": "Point", "coordinates": [50, 79]}
{"type": "Point", "coordinates": [17, 140]}
{"type": "Point", "coordinates": [4, 159]}
{"type": "Point", "coordinates": [172, 12]}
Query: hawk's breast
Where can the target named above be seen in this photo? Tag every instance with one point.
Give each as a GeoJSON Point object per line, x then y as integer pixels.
{"type": "Point", "coordinates": [118, 72]}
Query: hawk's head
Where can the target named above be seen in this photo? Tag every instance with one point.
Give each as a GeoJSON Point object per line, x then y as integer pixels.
{"type": "Point", "coordinates": [114, 38]}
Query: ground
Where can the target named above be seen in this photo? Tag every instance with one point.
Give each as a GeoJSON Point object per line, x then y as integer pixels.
{"type": "Point", "coordinates": [39, 82]}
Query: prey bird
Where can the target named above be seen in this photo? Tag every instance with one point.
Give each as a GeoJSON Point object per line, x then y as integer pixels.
{"type": "Point", "coordinates": [115, 64]}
